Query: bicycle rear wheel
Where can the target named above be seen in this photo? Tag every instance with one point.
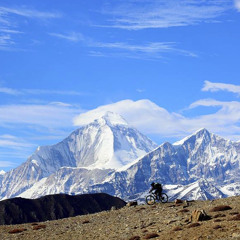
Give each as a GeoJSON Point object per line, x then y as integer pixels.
{"type": "Point", "coordinates": [164, 198]}
{"type": "Point", "coordinates": [150, 199]}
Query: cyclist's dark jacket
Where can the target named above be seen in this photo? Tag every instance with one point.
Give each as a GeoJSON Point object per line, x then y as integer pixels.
{"type": "Point", "coordinates": [158, 188]}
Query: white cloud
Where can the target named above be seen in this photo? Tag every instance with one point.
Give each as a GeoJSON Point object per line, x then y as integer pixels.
{"type": "Point", "coordinates": [13, 142]}
{"type": "Point", "coordinates": [237, 4]}
{"type": "Point", "coordinates": [49, 116]}
{"type": "Point", "coordinates": [9, 90]}
{"type": "Point", "coordinates": [143, 114]}
{"type": "Point", "coordinates": [163, 14]}
{"type": "Point", "coordinates": [6, 41]}
{"type": "Point", "coordinates": [4, 164]}
{"type": "Point", "coordinates": [225, 121]}
{"type": "Point", "coordinates": [150, 118]}
{"type": "Point", "coordinates": [214, 87]}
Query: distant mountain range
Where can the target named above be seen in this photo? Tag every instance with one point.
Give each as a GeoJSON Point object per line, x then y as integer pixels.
{"type": "Point", "coordinates": [109, 156]}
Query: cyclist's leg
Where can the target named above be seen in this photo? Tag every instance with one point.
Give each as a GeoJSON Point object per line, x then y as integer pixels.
{"type": "Point", "coordinates": [158, 195]}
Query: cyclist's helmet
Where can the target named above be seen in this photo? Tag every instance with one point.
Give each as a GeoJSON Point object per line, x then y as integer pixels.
{"type": "Point", "coordinates": [152, 184]}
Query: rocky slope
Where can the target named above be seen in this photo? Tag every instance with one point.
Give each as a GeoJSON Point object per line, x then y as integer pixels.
{"type": "Point", "coordinates": [161, 221]}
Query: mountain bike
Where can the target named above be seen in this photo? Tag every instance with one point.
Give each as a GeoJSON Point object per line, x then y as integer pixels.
{"type": "Point", "coordinates": [153, 198]}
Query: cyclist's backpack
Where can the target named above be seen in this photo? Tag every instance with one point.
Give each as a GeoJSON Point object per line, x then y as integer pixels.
{"type": "Point", "coordinates": [158, 186]}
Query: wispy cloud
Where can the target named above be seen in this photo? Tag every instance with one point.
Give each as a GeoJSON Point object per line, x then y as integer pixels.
{"type": "Point", "coordinates": [150, 50]}
{"type": "Point", "coordinates": [139, 90]}
{"type": "Point", "coordinates": [12, 142]}
{"type": "Point", "coordinates": [5, 41]}
{"type": "Point", "coordinates": [29, 13]}
{"type": "Point", "coordinates": [73, 37]}
{"type": "Point", "coordinates": [214, 87]}
{"type": "Point", "coordinates": [36, 124]}
{"type": "Point", "coordinates": [9, 23]}
{"type": "Point", "coordinates": [9, 91]}
{"type": "Point", "coordinates": [48, 116]}
{"type": "Point", "coordinates": [13, 91]}
{"type": "Point", "coordinates": [5, 30]}
{"type": "Point", "coordinates": [163, 14]}
{"type": "Point", "coordinates": [57, 92]}
{"type": "Point", "coordinates": [13, 147]}
{"type": "Point", "coordinates": [5, 164]}
{"type": "Point", "coordinates": [237, 4]}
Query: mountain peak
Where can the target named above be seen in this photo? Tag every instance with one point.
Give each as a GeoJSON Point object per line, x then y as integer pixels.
{"type": "Point", "coordinates": [198, 133]}
{"type": "Point", "coordinates": [111, 118]}
{"type": "Point", "coordinates": [201, 131]}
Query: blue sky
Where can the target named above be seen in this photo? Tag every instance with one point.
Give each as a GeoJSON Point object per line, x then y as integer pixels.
{"type": "Point", "coordinates": [168, 67]}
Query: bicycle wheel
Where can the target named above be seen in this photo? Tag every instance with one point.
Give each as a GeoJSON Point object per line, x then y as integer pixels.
{"type": "Point", "coordinates": [150, 199]}
{"type": "Point", "coordinates": [164, 198]}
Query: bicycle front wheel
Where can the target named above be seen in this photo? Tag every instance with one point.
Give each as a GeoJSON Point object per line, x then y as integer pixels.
{"type": "Point", "coordinates": [164, 198]}
{"type": "Point", "coordinates": [150, 199]}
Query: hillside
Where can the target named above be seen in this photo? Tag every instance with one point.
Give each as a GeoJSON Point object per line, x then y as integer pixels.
{"type": "Point", "coordinates": [166, 221]}
{"type": "Point", "coordinates": [51, 207]}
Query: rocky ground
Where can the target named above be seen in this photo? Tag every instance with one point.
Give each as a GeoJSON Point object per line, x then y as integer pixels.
{"type": "Point", "coordinates": [167, 221]}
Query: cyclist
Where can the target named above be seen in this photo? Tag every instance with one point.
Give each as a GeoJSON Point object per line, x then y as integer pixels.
{"type": "Point", "coordinates": [157, 188]}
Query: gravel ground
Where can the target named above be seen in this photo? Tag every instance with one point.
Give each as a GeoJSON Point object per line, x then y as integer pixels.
{"type": "Point", "coordinates": [160, 221]}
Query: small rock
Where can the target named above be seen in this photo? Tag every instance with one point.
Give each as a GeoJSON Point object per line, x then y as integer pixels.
{"type": "Point", "coordinates": [151, 235]}
{"type": "Point", "coordinates": [194, 225]}
{"type": "Point", "coordinates": [130, 204]}
{"type": "Point", "coordinates": [177, 229]}
{"type": "Point", "coordinates": [135, 238]}
{"type": "Point", "coordinates": [171, 221]}
{"type": "Point", "coordinates": [219, 215]}
{"type": "Point", "coordinates": [85, 221]}
{"type": "Point", "coordinates": [217, 227]}
{"type": "Point", "coordinates": [17, 230]}
{"type": "Point", "coordinates": [233, 213]}
{"type": "Point", "coordinates": [183, 210]}
{"type": "Point", "coordinates": [220, 208]}
{"type": "Point", "coordinates": [178, 201]}
{"type": "Point", "coordinates": [236, 217]}
{"type": "Point", "coordinates": [236, 235]}
{"type": "Point", "coordinates": [40, 226]}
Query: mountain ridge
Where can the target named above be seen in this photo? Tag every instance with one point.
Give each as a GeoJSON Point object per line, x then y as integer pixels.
{"type": "Point", "coordinates": [203, 165]}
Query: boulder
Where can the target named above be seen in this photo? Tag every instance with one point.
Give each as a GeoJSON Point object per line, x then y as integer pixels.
{"type": "Point", "coordinates": [199, 215]}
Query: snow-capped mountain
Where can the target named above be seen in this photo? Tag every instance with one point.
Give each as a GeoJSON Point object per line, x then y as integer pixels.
{"type": "Point", "coordinates": [109, 156]}
{"type": "Point", "coordinates": [203, 165]}
{"type": "Point", "coordinates": [106, 143]}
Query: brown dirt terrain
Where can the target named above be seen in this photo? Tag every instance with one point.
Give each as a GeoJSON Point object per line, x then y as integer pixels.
{"type": "Point", "coordinates": [160, 221]}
